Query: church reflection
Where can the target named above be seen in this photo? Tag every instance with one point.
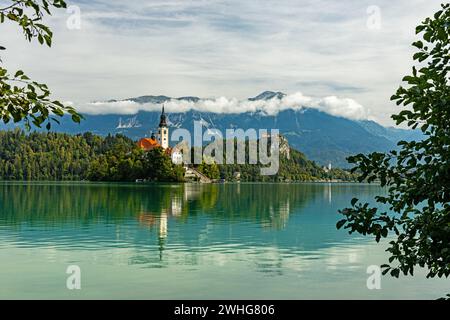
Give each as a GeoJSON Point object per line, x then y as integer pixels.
{"type": "Point", "coordinates": [222, 203]}
{"type": "Point", "coordinates": [233, 203]}
{"type": "Point", "coordinates": [150, 220]}
{"type": "Point", "coordinates": [327, 192]}
{"type": "Point", "coordinates": [175, 207]}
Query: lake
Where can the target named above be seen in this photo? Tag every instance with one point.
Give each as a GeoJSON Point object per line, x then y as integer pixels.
{"type": "Point", "coordinates": [191, 241]}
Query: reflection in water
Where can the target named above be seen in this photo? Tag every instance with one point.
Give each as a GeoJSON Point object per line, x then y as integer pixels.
{"type": "Point", "coordinates": [327, 192]}
{"type": "Point", "coordinates": [194, 234]}
{"type": "Point", "coordinates": [272, 225]}
{"type": "Point", "coordinates": [90, 204]}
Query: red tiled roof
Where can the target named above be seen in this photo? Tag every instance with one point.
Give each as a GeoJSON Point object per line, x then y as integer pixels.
{"type": "Point", "coordinates": [148, 144]}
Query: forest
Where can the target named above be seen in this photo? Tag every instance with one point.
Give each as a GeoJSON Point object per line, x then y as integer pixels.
{"type": "Point", "coordinates": [50, 156]}
{"type": "Point", "coordinates": [87, 157]}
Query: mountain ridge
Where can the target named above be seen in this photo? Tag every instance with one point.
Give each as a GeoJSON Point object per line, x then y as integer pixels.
{"type": "Point", "coordinates": [324, 138]}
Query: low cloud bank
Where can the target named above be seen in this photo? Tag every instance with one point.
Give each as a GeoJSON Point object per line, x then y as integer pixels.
{"type": "Point", "coordinates": [336, 106]}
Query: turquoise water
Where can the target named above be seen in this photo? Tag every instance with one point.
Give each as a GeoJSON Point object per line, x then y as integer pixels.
{"type": "Point", "coordinates": [232, 241]}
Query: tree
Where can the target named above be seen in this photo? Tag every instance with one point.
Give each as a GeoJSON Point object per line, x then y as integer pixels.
{"type": "Point", "coordinates": [22, 99]}
{"type": "Point", "coordinates": [211, 170]}
{"type": "Point", "coordinates": [98, 169]}
{"type": "Point", "coordinates": [417, 176]}
{"type": "Point", "coordinates": [159, 167]}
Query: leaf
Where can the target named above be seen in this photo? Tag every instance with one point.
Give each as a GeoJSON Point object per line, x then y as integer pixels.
{"type": "Point", "coordinates": [438, 14]}
{"type": "Point", "coordinates": [395, 272]}
{"type": "Point", "coordinates": [76, 118]}
{"type": "Point", "coordinates": [18, 74]}
{"type": "Point", "coordinates": [418, 44]}
{"type": "Point", "coordinates": [341, 223]}
{"type": "Point", "coordinates": [418, 55]}
{"type": "Point", "coordinates": [420, 28]}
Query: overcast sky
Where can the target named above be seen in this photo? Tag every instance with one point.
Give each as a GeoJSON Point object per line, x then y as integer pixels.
{"type": "Point", "coordinates": [227, 48]}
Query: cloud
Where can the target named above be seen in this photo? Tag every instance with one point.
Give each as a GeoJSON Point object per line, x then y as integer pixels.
{"type": "Point", "coordinates": [346, 108]}
{"type": "Point", "coordinates": [332, 86]}
{"type": "Point", "coordinates": [215, 47]}
{"type": "Point", "coordinates": [336, 106]}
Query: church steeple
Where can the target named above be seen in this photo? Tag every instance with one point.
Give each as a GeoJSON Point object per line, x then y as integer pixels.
{"type": "Point", "coordinates": [163, 131]}
{"type": "Point", "coordinates": [163, 120]}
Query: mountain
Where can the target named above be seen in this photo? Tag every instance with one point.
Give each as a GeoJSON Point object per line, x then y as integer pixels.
{"type": "Point", "coordinates": [267, 95]}
{"type": "Point", "coordinates": [390, 133]}
{"type": "Point", "coordinates": [322, 137]}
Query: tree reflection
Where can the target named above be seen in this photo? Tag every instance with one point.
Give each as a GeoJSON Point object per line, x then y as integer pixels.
{"type": "Point", "coordinates": [179, 223]}
{"type": "Point", "coordinates": [55, 204]}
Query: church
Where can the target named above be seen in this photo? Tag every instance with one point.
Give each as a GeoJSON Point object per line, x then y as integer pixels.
{"type": "Point", "coordinates": [162, 141]}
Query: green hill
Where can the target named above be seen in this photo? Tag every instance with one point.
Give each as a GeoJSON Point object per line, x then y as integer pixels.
{"type": "Point", "coordinates": [59, 157]}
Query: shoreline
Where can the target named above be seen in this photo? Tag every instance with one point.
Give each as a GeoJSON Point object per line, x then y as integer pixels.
{"type": "Point", "coordinates": [67, 182]}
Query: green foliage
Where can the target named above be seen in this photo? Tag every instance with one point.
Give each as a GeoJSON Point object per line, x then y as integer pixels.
{"type": "Point", "coordinates": [29, 102]}
{"type": "Point", "coordinates": [159, 167]}
{"type": "Point", "coordinates": [211, 170]}
{"type": "Point", "coordinates": [28, 14]}
{"type": "Point", "coordinates": [296, 167]}
{"type": "Point", "coordinates": [116, 158]}
{"type": "Point", "coordinates": [22, 99]}
{"type": "Point", "coordinates": [57, 156]}
{"type": "Point", "coordinates": [417, 177]}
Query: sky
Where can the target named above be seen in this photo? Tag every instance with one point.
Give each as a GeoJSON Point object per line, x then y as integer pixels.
{"type": "Point", "coordinates": [344, 57]}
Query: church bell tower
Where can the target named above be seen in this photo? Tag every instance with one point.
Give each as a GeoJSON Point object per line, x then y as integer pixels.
{"type": "Point", "coordinates": [163, 131]}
